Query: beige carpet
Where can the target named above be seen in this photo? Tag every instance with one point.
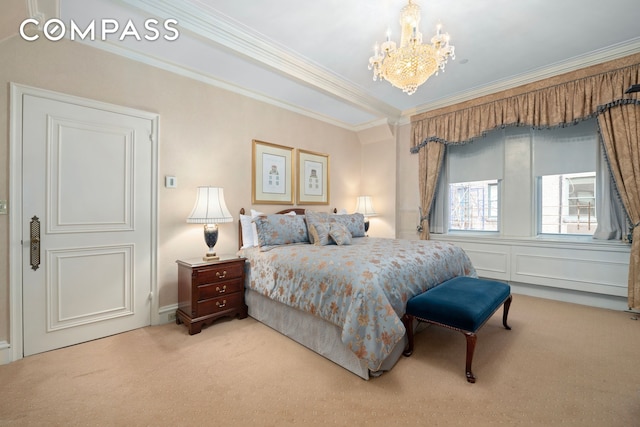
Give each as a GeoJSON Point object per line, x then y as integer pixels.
{"type": "Point", "coordinates": [562, 364]}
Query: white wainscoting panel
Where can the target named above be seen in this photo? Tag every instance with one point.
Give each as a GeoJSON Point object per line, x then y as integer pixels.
{"type": "Point", "coordinates": [490, 261]}
{"type": "Point", "coordinates": [570, 271]}
{"type": "Point", "coordinates": [596, 271]}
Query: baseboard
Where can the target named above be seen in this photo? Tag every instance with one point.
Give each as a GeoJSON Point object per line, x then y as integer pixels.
{"type": "Point", "coordinates": [6, 353]}
{"type": "Point", "coordinates": [610, 302]}
{"type": "Point", "coordinates": [166, 314]}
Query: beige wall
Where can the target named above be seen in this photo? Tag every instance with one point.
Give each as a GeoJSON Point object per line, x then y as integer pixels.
{"type": "Point", "coordinates": [407, 192]}
{"type": "Point", "coordinates": [379, 178]}
{"type": "Point", "coordinates": [205, 139]}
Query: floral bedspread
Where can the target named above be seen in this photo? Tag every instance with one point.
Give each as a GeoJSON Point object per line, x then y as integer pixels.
{"type": "Point", "coordinates": [362, 288]}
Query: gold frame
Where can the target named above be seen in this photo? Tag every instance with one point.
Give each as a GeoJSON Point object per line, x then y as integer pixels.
{"type": "Point", "coordinates": [314, 167]}
{"type": "Point", "coordinates": [279, 192]}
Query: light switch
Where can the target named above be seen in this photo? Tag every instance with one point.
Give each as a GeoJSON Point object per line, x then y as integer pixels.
{"type": "Point", "coordinates": [3, 207]}
{"type": "Point", "coordinates": [170, 182]}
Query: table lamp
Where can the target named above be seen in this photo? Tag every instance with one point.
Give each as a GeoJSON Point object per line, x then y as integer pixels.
{"type": "Point", "coordinates": [210, 210]}
{"type": "Point", "coordinates": [365, 207]}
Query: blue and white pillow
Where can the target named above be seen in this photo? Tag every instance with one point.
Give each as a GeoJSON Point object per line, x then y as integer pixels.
{"type": "Point", "coordinates": [354, 223]}
{"type": "Point", "coordinates": [277, 229]}
{"type": "Point", "coordinates": [340, 234]}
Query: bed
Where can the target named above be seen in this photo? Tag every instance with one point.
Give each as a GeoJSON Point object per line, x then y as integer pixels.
{"type": "Point", "coordinates": [342, 295]}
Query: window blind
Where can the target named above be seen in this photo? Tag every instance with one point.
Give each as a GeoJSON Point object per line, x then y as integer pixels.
{"type": "Point", "coordinates": [478, 161]}
{"type": "Point", "coordinates": [573, 149]}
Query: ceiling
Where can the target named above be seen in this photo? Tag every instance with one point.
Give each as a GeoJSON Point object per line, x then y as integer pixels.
{"type": "Point", "coordinates": [312, 56]}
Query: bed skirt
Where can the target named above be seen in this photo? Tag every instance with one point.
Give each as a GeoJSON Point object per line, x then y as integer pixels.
{"type": "Point", "coordinates": [314, 333]}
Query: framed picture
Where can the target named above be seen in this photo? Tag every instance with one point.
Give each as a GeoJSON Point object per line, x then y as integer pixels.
{"type": "Point", "coordinates": [313, 178]}
{"type": "Point", "coordinates": [272, 174]}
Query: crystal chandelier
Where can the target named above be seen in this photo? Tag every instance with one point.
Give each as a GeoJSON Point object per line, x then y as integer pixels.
{"type": "Point", "coordinates": [410, 65]}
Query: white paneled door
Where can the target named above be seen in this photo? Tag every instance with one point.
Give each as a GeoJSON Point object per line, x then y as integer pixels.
{"type": "Point", "coordinates": [87, 206]}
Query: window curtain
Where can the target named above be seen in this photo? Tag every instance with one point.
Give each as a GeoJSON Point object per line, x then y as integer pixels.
{"type": "Point", "coordinates": [429, 167]}
{"type": "Point", "coordinates": [551, 106]}
{"type": "Point", "coordinates": [612, 219]}
{"type": "Point", "coordinates": [558, 105]}
{"type": "Point", "coordinates": [620, 129]}
{"type": "Point", "coordinates": [439, 213]}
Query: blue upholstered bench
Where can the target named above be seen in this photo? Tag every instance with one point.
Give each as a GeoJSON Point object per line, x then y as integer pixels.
{"type": "Point", "coordinates": [463, 304]}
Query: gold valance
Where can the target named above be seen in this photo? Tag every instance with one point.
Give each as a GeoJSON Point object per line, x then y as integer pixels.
{"type": "Point", "coordinates": [547, 107]}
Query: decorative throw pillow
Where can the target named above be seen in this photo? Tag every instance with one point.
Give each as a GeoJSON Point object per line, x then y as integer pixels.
{"type": "Point", "coordinates": [340, 234]}
{"type": "Point", "coordinates": [315, 218]}
{"type": "Point", "coordinates": [354, 223]}
{"type": "Point", "coordinates": [249, 230]}
{"type": "Point", "coordinates": [319, 234]}
{"type": "Point", "coordinates": [274, 230]}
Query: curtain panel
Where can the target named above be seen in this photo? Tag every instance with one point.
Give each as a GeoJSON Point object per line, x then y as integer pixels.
{"type": "Point", "coordinates": [620, 129]}
{"type": "Point", "coordinates": [556, 105]}
{"type": "Point", "coordinates": [429, 169]}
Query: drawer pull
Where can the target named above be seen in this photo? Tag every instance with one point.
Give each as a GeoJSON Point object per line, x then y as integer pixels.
{"type": "Point", "coordinates": [221, 276]}
{"type": "Point", "coordinates": [221, 291]}
{"type": "Point", "coordinates": [224, 302]}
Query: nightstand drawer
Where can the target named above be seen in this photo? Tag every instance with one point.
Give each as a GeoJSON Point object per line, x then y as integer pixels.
{"type": "Point", "coordinates": [219, 273]}
{"type": "Point", "coordinates": [212, 290]}
{"type": "Point", "coordinates": [216, 305]}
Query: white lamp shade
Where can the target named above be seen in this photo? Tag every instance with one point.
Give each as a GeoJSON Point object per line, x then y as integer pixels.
{"type": "Point", "coordinates": [365, 206]}
{"type": "Point", "coordinates": [210, 207]}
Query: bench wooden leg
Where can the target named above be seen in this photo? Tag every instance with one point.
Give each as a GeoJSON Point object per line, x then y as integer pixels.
{"type": "Point", "coordinates": [471, 347]}
{"type": "Point", "coordinates": [408, 325]}
{"type": "Point", "coordinates": [505, 313]}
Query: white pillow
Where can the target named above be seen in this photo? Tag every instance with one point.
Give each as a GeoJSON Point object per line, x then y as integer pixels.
{"type": "Point", "coordinates": [246, 223]}
{"type": "Point", "coordinates": [254, 233]}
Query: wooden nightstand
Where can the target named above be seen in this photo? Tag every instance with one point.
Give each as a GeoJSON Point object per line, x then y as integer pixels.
{"type": "Point", "coordinates": [208, 290]}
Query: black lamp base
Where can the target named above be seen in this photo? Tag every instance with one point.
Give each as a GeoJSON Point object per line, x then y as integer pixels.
{"type": "Point", "coordinates": [210, 238]}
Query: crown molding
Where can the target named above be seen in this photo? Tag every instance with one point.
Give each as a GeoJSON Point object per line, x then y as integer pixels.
{"type": "Point", "coordinates": [215, 27]}
{"type": "Point", "coordinates": [144, 58]}
{"type": "Point", "coordinates": [611, 53]}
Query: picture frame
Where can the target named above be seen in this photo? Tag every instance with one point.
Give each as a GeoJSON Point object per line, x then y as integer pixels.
{"type": "Point", "coordinates": [271, 174]}
{"type": "Point", "coordinates": [313, 178]}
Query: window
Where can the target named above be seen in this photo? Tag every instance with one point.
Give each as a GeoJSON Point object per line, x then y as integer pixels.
{"type": "Point", "coordinates": [473, 206]}
{"type": "Point", "coordinates": [523, 182]}
{"type": "Point", "coordinates": [473, 179]}
{"type": "Point", "coordinates": [565, 163]}
{"type": "Point", "coordinates": [568, 204]}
